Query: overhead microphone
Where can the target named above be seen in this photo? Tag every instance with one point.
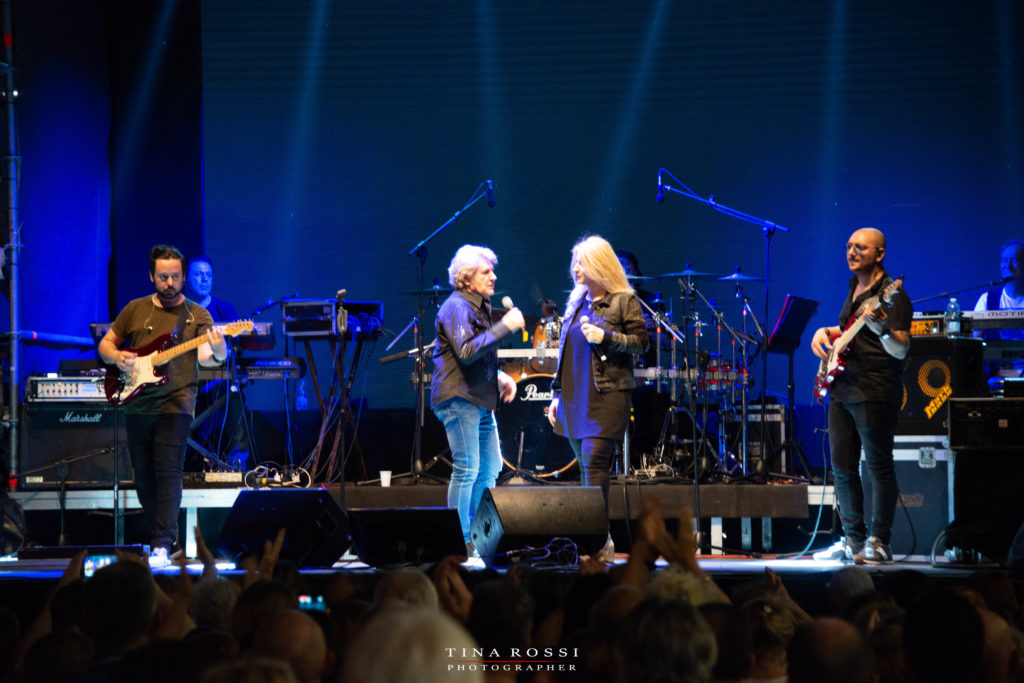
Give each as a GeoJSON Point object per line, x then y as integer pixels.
{"type": "Point", "coordinates": [490, 196]}
{"type": "Point", "coordinates": [597, 348]}
{"type": "Point", "coordinates": [661, 190]}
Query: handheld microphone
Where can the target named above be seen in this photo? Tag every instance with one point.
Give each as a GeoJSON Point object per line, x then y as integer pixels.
{"type": "Point", "coordinates": [661, 190]}
{"type": "Point", "coordinates": [597, 348]}
{"type": "Point", "coordinates": [490, 194]}
{"type": "Point", "coordinates": [506, 301]}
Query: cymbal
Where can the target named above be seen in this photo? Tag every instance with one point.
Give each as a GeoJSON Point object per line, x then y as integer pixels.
{"type": "Point", "coordinates": [687, 272]}
{"type": "Point", "coordinates": [737, 275]}
{"type": "Point", "coordinates": [435, 289]}
{"type": "Point", "coordinates": [641, 278]}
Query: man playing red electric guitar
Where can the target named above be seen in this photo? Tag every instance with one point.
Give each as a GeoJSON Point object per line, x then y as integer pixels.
{"type": "Point", "coordinates": [159, 418]}
{"type": "Point", "coordinates": [865, 400]}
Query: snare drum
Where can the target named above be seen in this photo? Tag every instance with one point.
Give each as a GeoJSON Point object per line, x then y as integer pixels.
{"type": "Point", "coordinates": [526, 435]}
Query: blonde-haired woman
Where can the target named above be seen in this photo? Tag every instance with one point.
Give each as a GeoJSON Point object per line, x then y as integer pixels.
{"type": "Point", "coordinates": [602, 330]}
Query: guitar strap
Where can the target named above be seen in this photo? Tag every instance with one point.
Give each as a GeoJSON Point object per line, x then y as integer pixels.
{"type": "Point", "coordinates": [179, 329]}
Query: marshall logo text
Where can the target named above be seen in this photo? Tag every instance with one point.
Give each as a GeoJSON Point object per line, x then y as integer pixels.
{"type": "Point", "coordinates": [73, 417]}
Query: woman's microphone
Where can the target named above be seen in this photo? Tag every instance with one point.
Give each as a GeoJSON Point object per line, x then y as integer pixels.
{"type": "Point", "coordinates": [600, 352]}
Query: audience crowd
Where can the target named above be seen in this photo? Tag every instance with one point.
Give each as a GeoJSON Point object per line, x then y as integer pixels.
{"type": "Point", "coordinates": [623, 623]}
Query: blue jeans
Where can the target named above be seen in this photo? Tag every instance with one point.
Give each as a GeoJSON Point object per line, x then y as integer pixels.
{"type": "Point", "coordinates": [870, 425]}
{"type": "Point", "coordinates": [157, 445]}
{"type": "Point", "coordinates": [476, 455]}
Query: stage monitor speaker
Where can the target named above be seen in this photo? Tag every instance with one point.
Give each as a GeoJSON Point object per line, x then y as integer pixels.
{"type": "Point", "coordinates": [512, 521]}
{"type": "Point", "coordinates": [76, 436]}
{"type": "Point", "coordinates": [936, 370]}
{"type": "Point", "coordinates": [398, 536]}
{"type": "Point", "coordinates": [317, 529]}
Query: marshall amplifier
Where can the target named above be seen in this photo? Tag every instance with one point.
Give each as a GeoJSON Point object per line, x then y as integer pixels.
{"type": "Point", "coordinates": [73, 440]}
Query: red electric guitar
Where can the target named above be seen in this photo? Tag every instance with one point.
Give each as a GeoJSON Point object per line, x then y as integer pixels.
{"type": "Point", "coordinates": [123, 387]}
{"type": "Point", "coordinates": [834, 363]}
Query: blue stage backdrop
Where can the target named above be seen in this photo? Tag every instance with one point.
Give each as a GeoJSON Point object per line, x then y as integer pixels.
{"type": "Point", "coordinates": [336, 135]}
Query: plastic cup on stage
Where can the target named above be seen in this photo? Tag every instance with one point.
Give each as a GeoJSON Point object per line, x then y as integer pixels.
{"type": "Point", "coordinates": [385, 477]}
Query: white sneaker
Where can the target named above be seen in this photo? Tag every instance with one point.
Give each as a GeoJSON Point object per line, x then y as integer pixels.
{"type": "Point", "coordinates": [840, 551]}
{"type": "Point", "coordinates": [606, 554]}
{"type": "Point", "coordinates": [158, 558]}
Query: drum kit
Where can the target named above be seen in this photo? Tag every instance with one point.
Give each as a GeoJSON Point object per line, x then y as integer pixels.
{"type": "Point", "coordinates": [691, 383]}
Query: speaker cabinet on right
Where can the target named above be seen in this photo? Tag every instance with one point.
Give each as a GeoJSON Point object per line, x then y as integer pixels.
{"type": "Point", "coordinates": [937, 369]}
{"type": "Point", "coordinates": [316, 528]}
{"type": "Point", "coordinates": [517, 523]}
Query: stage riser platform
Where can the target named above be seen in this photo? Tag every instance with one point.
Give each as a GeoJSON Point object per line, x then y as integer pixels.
{"type": "Point", "coordinates": [87, 517]}
{"type": "Point", "coordinates": [625, 500]}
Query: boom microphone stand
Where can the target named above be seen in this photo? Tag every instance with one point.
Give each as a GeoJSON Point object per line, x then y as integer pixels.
{"type": "Point", "coordinates": [484, 189]}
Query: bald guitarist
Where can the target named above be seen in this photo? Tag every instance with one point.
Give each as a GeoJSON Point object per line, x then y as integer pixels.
{"type": "Point", "coordinates": [158, 420]}
{"type": "Point", "coordinates": [865, 399]}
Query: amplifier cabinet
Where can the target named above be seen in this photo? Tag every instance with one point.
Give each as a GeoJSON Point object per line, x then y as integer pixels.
{"type": "Point", "coordinates": [774, 435]}
{"type": "Point", "coordinates": [75, 434]}
{"type": "Point", "coordinates": [986, 423]}
{"type": "Point", "coordinates": [937, 370]}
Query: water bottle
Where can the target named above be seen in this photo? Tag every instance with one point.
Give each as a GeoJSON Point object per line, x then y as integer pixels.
{"type": "Point", "coordinates": [953, 318]}
{"type": "Point", "coordinates": [301, 400]}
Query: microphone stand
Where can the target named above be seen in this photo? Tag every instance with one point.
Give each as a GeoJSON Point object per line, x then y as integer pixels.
{"type": "Point", "coordinates": [946, 295]}
{"type": "Point", "coordinates": [749, 311]}
{"type": "Point", "coordinates": [768, 229]}
{"type": "Point", "coordinates": [420, 252]}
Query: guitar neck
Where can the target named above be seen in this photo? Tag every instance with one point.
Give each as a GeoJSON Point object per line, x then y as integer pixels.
{"type": "Point", "coordinates": [228, 330]}
{"type": "Point", "coordinates": [849, 333]}
{"type": "Point", "coordinates": [166, 355]}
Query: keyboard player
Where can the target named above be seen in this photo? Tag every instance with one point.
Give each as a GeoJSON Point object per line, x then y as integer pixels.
{"type": "Point", "coordinates": [1009, 296]}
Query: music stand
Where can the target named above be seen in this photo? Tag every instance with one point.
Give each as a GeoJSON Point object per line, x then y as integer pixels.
{"type": "Point", "coordinates": [785, 338]}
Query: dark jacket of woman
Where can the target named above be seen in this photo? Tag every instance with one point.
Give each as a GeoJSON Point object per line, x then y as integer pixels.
{"type": "Point", "coordinates": [625, 334]}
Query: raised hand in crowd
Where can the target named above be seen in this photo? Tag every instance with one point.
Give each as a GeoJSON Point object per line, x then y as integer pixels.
{"type": "Point", "coordinates": [452, 593]}
{"type": "Point", "coordinates": [262, 568]}
{"type": "Point", "coordinates": [204, 555]}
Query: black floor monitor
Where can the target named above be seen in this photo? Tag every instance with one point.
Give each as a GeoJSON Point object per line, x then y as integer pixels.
{"type": "Point", "coordinates": [399, 536]}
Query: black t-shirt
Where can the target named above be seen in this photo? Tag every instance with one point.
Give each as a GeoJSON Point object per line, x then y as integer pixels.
{"type": "Point", "coordinates": [872, 374]}
{"type": "Point", "coordinates": [142, 323]}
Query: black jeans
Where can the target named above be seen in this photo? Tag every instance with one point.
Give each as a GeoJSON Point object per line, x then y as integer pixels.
{"type": "Point", "coordinates": [595, 456]}
{"type": "Point", "coordinates": [870, 425]}
{"type": "Point", "coordinates": [157, 444]}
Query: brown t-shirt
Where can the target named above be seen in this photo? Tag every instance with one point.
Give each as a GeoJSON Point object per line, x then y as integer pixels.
{"type": "Point", "coordinates": [142, 323]}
